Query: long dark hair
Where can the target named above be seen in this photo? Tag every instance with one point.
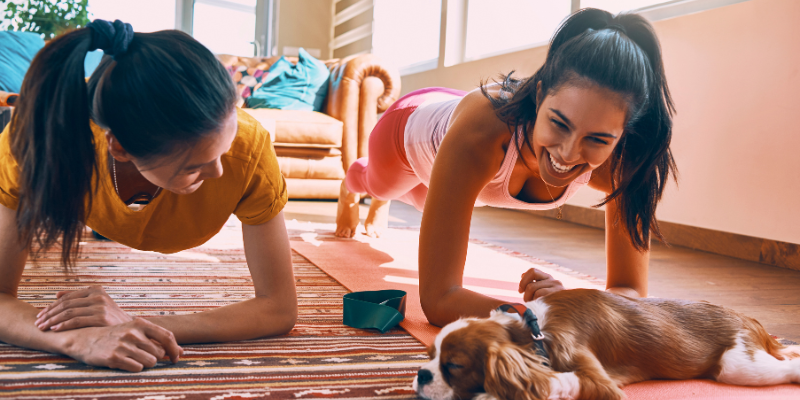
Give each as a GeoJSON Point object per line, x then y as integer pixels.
{"type": "Point", "coordinates": [620, 53]}
{"type": "Point", "coordinates": [163, 94]}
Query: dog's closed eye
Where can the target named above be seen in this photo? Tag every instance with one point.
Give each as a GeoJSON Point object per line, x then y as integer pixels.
{"type": "Point", "coordinates": [451, 366]}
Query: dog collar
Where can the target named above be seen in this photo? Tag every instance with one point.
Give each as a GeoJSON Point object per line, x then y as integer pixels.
{"type": "Point", "coordinates": [531, 322]}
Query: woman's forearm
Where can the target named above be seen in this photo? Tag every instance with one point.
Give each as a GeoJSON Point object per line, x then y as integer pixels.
{"type": "Point", "coordinates": [249, 319]}
{"type": "Point", "coordinates": [626, 266]}
{"type": "Point", "coordinates": [18, 327]}
{"type": "Point", "coordinates": [458, 303]}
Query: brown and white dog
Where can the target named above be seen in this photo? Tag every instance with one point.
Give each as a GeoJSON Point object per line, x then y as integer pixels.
{"type": "Point", "coordinates": [597, 342]}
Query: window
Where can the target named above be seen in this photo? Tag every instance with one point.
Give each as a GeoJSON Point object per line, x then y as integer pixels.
{"type": "Point", "coordinates": [143, 15]}
{"type": "Point", "coordinates": [616, 6]}
{"type": "Point", "coordinates": [500, 26]}
{"type": "Point", "coordinates": [226, 26]}
{"type": "Point", "coordinates": [408, 46]}
{"type": "Point", "coordinates": [483, 28]}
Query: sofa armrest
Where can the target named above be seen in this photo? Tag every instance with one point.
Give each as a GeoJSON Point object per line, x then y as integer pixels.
{"type": "Point", "coordinates": [8, 99]}
{"type": "Point", "coordinates": [6, 109]}
{"type": "Point", "coordinates": [360, 88]}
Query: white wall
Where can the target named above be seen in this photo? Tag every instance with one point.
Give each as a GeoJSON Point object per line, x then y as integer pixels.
{"type": "Point", "coordinates": [305, 23]}
{"type": "Point", "coordinates": [734, 72]}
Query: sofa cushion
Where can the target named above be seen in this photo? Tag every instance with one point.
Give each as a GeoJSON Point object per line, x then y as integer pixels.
{"type": "Point", "coordinates": [314, 153]}
{"type": "Point", "coordinates": [313, 188]}
{"type": "Point", "coordinates": [300, 128]}
{"type": "Point", "coordinates": [310, 163]}
{"type": "Point", "coordinates": [311, 168]}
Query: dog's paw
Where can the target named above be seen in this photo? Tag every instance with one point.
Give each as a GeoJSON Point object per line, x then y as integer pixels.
{"type": "Point", "coordinates": [484, 396]}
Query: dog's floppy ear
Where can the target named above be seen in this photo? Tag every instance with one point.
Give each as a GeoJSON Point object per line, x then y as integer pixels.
{"type": "Point", "coordinates": [514, 326]}
{"type": "Point", "coordinates": [516, 373]}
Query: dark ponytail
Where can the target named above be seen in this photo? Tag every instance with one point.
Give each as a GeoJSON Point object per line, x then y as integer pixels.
{"type": "Point", "coordinates": [159, 94]}
{"type": "Point", "coordinates": [620, 53]}
{"type": "Point", "coordinates": [53, 144]}
{"type": "Point", "coordinates": [644, 161]}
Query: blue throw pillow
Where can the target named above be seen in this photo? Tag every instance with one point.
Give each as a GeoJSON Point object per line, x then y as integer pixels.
{"type": "Point", "coordinates": [17, 50]}
{"type": "Point", "coordinates": [91, 61]}
{"type": "Point", "coordinates": [293, 87]}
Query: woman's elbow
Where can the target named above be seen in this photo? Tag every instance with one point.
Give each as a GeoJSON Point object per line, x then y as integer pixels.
{"type": "Point", "coordinates": [285, 326]}
{"type": "Point", "coordinates": [280, 323]}
{"type": "Point", "coordinates": [288, 320]}
{"type": "Point", "coordinates": [433, 307]}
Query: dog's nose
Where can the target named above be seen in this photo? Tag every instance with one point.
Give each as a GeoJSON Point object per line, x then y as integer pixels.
{"type": "Point", "coordinates": [424, 376]}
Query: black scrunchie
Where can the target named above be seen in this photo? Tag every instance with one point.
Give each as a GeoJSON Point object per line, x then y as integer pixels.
{"type": "Point", "coordinates": [113, 39]}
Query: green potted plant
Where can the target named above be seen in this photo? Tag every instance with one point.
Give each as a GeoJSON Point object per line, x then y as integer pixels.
{"type": "Point", "coordinates": [48, 18]}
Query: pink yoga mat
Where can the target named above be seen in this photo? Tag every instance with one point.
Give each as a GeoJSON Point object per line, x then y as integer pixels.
{"type": "Point", "coordinates": [359, 266]}
{"type": "Point", "coordinates": [355, 266]}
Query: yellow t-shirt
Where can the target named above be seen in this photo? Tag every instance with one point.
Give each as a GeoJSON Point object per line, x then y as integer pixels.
{"type": "Point", "coordinates": [251, 187]}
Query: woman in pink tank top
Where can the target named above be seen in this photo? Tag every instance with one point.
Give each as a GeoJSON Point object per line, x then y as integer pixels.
{"type": "Point", "coordinates": [598, 112]}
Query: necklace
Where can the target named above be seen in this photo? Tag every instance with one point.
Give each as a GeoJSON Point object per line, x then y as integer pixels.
{"type": "Point", "coordinates": [546, 186]}
{"type": "Point", "coordinates": [139, 201]}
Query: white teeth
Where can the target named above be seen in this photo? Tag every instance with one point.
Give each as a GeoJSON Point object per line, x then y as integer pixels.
{"type": "Point", "coordinates": [558, 167]}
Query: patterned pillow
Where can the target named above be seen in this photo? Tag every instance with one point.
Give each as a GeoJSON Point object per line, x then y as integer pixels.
{"type": "Point", "coordinates": [247, 79]}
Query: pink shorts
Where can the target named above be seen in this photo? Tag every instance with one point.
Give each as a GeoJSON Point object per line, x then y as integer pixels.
{"type": "Point", "coordinates": [386, 173]}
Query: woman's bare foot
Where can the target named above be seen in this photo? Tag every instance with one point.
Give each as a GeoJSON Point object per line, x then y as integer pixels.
{"type": "Point", "coordinates": [347, 213]}
{"type": "Point", "coordinates": [378, 218]}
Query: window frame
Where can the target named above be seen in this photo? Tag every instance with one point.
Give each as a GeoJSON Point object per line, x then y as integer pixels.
{"type": "Point", "coordinates": [354, 33]}
{"type": "Point", "coordinates": [266, 12]}
{"type": "Point", "coordinates": [453, 27]}
{"type": "Point", "coordinates": [464, 59]}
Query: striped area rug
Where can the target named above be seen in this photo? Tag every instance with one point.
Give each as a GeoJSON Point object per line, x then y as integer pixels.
{"type": "Point", "coordinates": [320, 358]}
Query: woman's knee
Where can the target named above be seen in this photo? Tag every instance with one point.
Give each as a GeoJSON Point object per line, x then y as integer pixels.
{"type": "Point", "coordinates": [416, 197]}
{"type": "Point", "coordinates": [355, 177]}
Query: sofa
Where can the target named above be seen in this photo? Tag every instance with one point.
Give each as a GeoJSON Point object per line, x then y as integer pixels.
{"type": "Point", "coordinates": [6, 102]}
{"type": "Point", "coordinates": [315, 149]}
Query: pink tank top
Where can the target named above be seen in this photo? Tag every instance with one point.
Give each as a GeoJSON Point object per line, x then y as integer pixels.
{"type": "Point", "coordinates": [424, 132]}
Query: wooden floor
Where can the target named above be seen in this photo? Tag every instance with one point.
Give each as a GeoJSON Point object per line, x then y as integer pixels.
{"type": "Point", "coordinates": [769, 294]}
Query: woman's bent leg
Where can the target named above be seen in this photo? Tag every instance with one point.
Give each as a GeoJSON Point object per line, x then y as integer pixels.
{"type": "Point", "coordinates": [378, 217]}
{"type": "Point", "coordinates": [385, 175]}
{"type": "Point", "coordinates": [416, 197]}
{"type": "Point", "coordinates": [347, 212]}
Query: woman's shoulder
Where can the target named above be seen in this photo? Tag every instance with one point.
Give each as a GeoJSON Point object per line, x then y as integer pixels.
{"type": "Point", "coordinates": [475, 117]}
{"type": "Point", "coordinates": [251, 137]}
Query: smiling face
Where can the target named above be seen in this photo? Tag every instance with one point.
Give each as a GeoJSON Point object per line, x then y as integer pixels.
{"type": "Point", "coordinates": [577, 128]}
{"type": "Point", "coordinates": [185, 173]}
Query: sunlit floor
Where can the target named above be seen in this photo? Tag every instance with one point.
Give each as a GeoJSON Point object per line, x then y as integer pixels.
{"type": "Point", "coordinates": [769, 294]}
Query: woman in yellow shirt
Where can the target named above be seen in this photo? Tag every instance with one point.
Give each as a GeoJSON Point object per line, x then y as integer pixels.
{"type": "Point", "coordinates": [156, 124]}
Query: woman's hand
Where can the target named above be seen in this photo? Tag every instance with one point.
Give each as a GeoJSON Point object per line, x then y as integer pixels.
{"type": "Point", "coordinates": [535, 284]}
{"type": "Point", "coordinates": [130, 346]}
{"type": "Point", "coordinates": [90, 307]}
